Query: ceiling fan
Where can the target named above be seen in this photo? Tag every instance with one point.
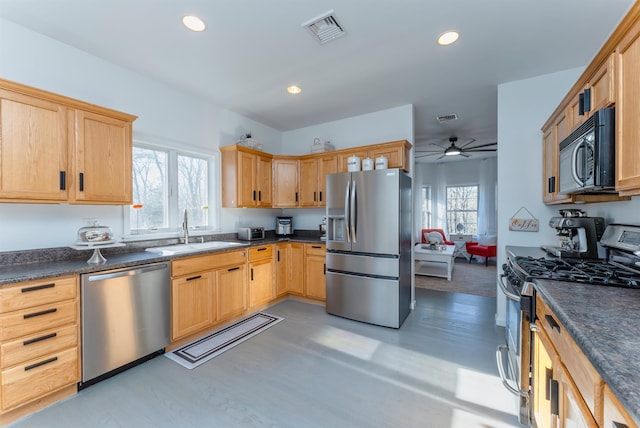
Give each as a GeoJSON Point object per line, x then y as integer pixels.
{"type": "Point", "coordinates": [453, 150]}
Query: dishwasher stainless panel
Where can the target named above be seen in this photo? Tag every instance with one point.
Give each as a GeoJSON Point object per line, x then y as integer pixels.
{"type": "Point", "coordinates": [125, 317]}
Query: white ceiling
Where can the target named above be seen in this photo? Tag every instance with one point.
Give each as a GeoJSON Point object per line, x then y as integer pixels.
{"type": "Point", "coordinates": [253, 49]}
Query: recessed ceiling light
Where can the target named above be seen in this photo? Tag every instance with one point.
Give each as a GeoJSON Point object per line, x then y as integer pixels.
{"type": "Point", "coordinates": [193, 23]}
{"type": "Point", "coordinates": [448, 38]}
{"type": "Point", "coordinates": [293, 89]}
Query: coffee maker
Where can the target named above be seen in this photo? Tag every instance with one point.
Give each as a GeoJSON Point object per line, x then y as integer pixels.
{"type": "Point", "coordinates": [284, 226]}
{"type": "Point", "coordinates": [578, 234]}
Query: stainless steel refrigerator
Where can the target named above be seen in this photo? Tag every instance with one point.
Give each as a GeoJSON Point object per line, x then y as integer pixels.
{"type": "Point", "coordinates": [369, 246]}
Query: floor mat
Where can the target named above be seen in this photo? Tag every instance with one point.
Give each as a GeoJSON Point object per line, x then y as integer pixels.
{"type": "Point", "coordinates": [202, 350]}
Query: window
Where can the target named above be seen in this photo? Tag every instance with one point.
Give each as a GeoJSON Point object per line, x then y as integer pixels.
{"type": "Point", "coordinates": [462, 208]}
{"type": "Point", "coordinates": [165, 184]}
{"type": "Point", "coordinates": [426, 207]}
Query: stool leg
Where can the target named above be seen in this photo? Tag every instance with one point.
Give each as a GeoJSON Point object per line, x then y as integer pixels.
{"type": "Point", "coordinates": [486, 261]}
{"type": "Point", "coordinates": [470, 258]}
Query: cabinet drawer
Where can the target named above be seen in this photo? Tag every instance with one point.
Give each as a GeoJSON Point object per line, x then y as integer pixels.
{"type": "Point", "coordinates": [260, 252]}
{"type": "Point", "coordinates": [38, 377]}
{"type": "Point", "coordinates": [33, 320]}
{"type": "Point", "coordinates": [190, 265]}
{"type": "Point", "coordinates": [584, 375]}
{"type": "Point", "coordinates": [315, 249]}
{"type": "Point", "coordinates": [38, 344]}
{"type": "Point", "coordinates": [36, 293]}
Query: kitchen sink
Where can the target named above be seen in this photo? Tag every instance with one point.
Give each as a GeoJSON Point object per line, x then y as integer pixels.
{"type": "Point", "coordinates": [170, 250]}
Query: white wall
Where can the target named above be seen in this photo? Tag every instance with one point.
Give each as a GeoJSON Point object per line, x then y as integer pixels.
{"type": "Point", "coordinates": [379, 127]}
{"type": "Point", "coordinates": [523, 107]}
{"type": "Point", "coordinates": [165, 115]}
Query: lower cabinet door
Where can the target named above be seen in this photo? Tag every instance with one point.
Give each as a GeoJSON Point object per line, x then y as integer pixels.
{"type": "Point", "coordinates": [192, 304]}
{"type": "Point", "coordinates": [296, 271]}
{"type": "Point", "coordinates": [315, 280]}
{"type": "Point", "coordinates": [544, 386]}
{"type": "Point", "coordinates": [231, 291]}
{"type": "Point", "coordinates": [573, 410]}
{"type": "Point", "coordinates": [260, 282]}
{"type": "Point", "coordinates": [38, 377]}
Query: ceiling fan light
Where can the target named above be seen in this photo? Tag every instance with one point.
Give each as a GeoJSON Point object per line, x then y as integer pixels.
{"type": "Point", "coordinates": [452, 152]}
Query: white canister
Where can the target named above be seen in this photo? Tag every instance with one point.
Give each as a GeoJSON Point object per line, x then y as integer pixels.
{"type": "Point", "coordinates": [353, 163]}
{"type": "Point", "coordinates": [382, 162]}
{"type": "Point", "coordinates": [367, 164]}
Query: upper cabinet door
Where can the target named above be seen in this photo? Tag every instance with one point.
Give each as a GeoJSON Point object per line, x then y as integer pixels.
{"type": "Point", "coordinates": [33, 148]}
{"type": "Point", "coordinates": [263, 184]}
{"type": "Point", "coordinates": [102, 159]}
{"type": "Point", "coordinates": [309, 192]}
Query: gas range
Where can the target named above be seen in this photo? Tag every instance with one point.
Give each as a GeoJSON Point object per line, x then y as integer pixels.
{"type": "Point", "coordinates": [597, 272]}
{"type": "Point", "coordinates": [620, 269]}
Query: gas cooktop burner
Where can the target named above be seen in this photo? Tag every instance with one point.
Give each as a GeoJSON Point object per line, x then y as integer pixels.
{"type": "Point", "coordinates": [584, 271]}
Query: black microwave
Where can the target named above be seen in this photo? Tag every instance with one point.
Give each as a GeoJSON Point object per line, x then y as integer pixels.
{"type": "Point", "coordinates": [587, 155]}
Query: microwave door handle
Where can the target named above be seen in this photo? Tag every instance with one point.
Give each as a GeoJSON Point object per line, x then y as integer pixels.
{"type": "Point", "coordinates": [574, 163]}
{"type": "Point", "coordinates": [346, 210]}
{"type": "Point", "coordinates": [354, 211]}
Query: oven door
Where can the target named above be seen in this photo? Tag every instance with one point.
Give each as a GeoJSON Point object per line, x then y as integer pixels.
{"type": "Point", "coordinates": [516, 352]}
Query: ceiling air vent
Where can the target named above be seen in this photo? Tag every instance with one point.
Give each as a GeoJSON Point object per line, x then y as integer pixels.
{"type": "Point", "coordinates": [324, 28]}
{"type": "Point", "coordinates": [447, 117]}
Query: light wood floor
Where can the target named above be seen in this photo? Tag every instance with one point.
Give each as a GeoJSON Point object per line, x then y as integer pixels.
{"type": "Point", "coordinates": [317, 370]}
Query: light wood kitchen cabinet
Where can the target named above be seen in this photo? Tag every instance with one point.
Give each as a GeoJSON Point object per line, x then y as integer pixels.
{"type": "Point", "coordinates": [231, 291]}
{"type": "Point", "coordinates": [298, 181]}
{"type": "Point", "coordinates": [615, 415]}
{"type": "Point", "coordinates": [285, 182]}
{"type": "Point", "coordinates": [545, 388]}
{"type": "Point", "coordinates": [396, 152]}
{"type": "Point", "coordinates": [206, 289]}
{"type": "Point", "coordinates": [313, 173]}
{"type": "Point", "coordinates": [315, 271]}
{"type": "Point", "coordinates": [289, 268]}
{"type": "Point", "coordinates": [39, 343]}
{"type": "Point", "coordinates": [103, 159]}
{"type": "Point", "coordinates": [550, 162]}
{"type": "Point", "coordinates": [261, 288]}
{"type": "Point", "coordinates": [599, 92]}
{"type": "Point", "coordinates": [628, 114]}
{"type": "Point", "coordinates": [246, 178]}
{"type": "Point", "coordinates": [192, 304]}
{"type": "Point", "coordinates": [583, 399]}
{"type": "Point", "coordinates": [56, 149]}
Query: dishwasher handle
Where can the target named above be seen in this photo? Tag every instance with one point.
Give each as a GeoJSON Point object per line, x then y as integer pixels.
{"type": "Point", "coordinates": [128, 272]}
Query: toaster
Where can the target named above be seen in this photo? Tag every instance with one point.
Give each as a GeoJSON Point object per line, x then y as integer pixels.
{"type": "Point", "coordinates": [250, 233]}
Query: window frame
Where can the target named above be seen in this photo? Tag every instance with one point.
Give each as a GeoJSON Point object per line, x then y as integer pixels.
{"type": "Point", "coordinates": [174, 217]}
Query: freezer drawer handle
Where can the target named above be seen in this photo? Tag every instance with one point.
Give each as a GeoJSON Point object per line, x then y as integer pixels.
{"type": "Point", "coordinates": [37, 314]}
{"type": "Point", "coordinates": [41, 363]}
{"type": "Point", "coordinates": [39, 339]}
{"type": "Point", "coordinates": [38, 287]}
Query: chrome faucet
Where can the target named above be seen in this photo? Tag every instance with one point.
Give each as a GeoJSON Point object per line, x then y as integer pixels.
{"type": "Point", "coordinates": [185, 228]}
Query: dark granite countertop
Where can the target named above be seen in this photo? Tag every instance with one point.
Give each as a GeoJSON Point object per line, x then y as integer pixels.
{"type": "Point", "coordinates": [31, 265]}
{"type": "Point", "coordinates": [605, 323]}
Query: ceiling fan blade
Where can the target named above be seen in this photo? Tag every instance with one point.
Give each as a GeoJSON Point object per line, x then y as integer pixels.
{"type": "Point", "coordinates": [427, 155]}
{"type": "Point", "coordinates": [482, 145]}
{"type": "Point", "coordinates": [481, 150]}
{"type": "Point", "coordinates": [462, 154]}
{"type": "Point", "coordinates": [467, 143]}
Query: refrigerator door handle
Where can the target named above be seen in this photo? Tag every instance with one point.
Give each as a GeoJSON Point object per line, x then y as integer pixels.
{"type": "Point", "coordinates": [346, 210]}
{"type": "Point", "coordinates": [354, 212]}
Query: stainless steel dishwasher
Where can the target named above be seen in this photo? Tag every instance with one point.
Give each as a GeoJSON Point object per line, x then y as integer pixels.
{"type": "Point", "coordinates": [125, 319]}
